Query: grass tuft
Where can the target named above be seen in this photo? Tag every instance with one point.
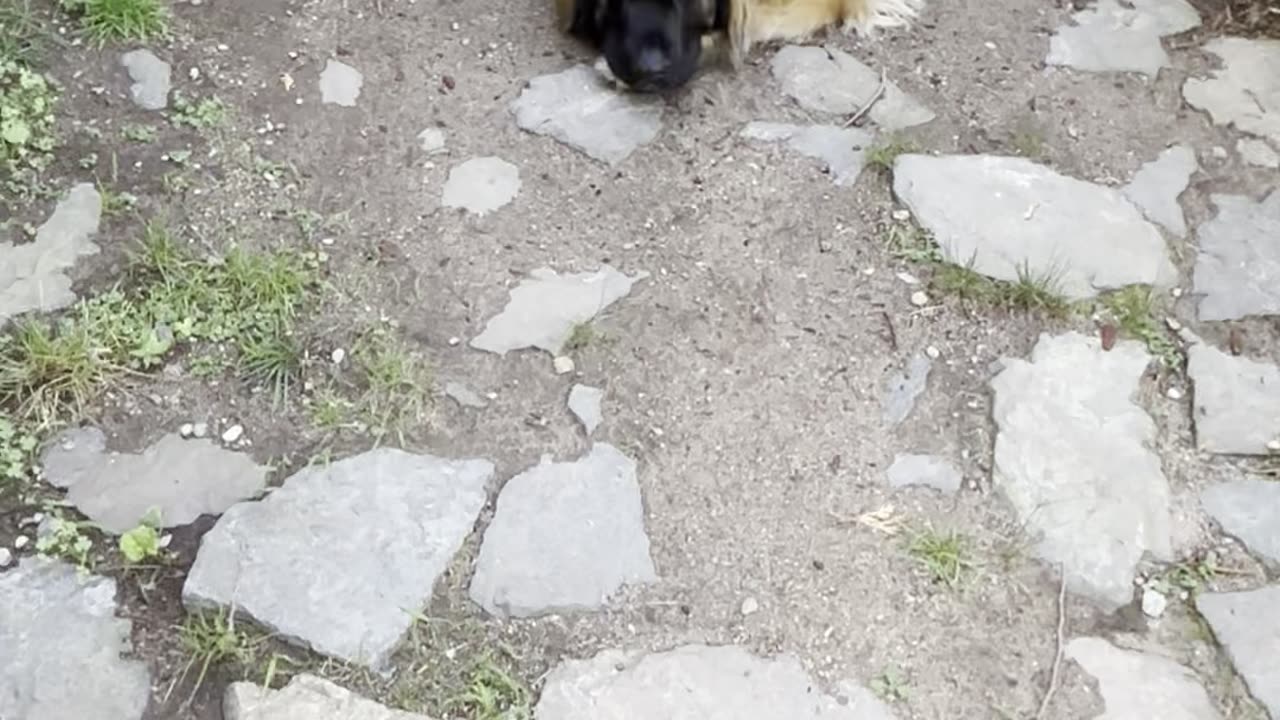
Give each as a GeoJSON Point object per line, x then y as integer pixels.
{"type": "Point", "coordinates": [493, 694]}
{"type": "Point", "coordinates": [396, 380]}
{"type": "Point", "coordinates": [1133, 309]}
{"type": "Point", "coordinates": [120, 20]}
{"type": "Point", "coordinates": [881, 155]}
{"type": "Point", "coordinates": [944, 556]}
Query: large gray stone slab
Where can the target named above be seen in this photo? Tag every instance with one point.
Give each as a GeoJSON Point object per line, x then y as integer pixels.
{"type": "Point", "coordinates": [842, 150]}
{"type": "Point", "coordinates": [340, 556]}
{"type": "Point", "coordinates": [1245, 92]}
{"type": "Point", "coordinates": [1073, 456]}
{"type": "Point", "coordinates": [1157, 185]}
{"type": "Point", "coordinates": [182, 479]}
{"type": "Point", "coordinates": [62, 646]}
{"type": "Point", "coordinates": [1249, 510]}
{"type": "Point", "coordinates": [545, 307]}
{"type": "Point", "coordinates": [831, 81]}
{"type": "Point", "coordinates": [306, 697]}
{"type": "Point", "coordinates": [578, 108]}
{"type": "Point", "coordinates": [33, 276]}
{"type": "Point", "coordinates": [565, 537]}
{"type": "Point", "coordinates": [723, 682]}
{"type": "Point", "coordinates": [1236, 405]}
{"type": "Point", "coordinates": [481, 185]}
{"type": "Point", "coordinates": [1248, 626]}
{"type": "Point", "coordinates": [1009, 215]}
{"type": "Point", "coordinates": [340, 84]}
{"type": "Point", "coordinates": [1115, 37]}
{"type": "Point", "coordinates": [151, 79]}
{"type": "Point", "coordinates": [1258, 153]}
{"type": "Point", "coordinates": [1141, 686]}
{"type": "Point", "coordinates": [1237, 270]}
{"type": "Point", "coordinates": [928, 470]}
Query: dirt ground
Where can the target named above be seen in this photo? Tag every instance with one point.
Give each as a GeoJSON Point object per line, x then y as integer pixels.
{"type": "Point", "coordinates": [744, 375]}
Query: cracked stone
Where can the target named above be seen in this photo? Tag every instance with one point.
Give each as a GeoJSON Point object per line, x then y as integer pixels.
{"type": "Point", "coordinates": [832, 81]}
{"type": "Point", "coordinates": [340, 84]}
{"type": "Point", "coordinates": [464, 396]}
{"type": "Point", "coordinates": [1245, 92]}
{"type": "Point", "coordinates": [1237, 270]}
{"type": "Point", "coordinates": [481, 185]}
{"type": "Point", "coordinates": [1257, 152]}
{"type": "Point", "coordinates": [577, 107]}
{"type": "Point", "coordinates": [306, 697]}
{"type": "Point", "coordinates": [842, 150]}
{"type": "Point", "coordinates": [1248, 626]}
{"type": "Point", "coordinates": [64, 647]}
{"type": "Point", "coordinates": [928, 470]}
{"type": "Point", "coordinates": [151, 79]}
{"type": "Point", "coordinates": [1008, 215]}
{"type": "Point", "coordinates": [544, 309]}
{"type": "Point", "coordinates": [1137, 685]}
{"type": "Point", "coordinates": [33, 276]}
{"type": "Point", "coordinates": [903, 388]}
{"type": "Point", "coordinates": [1115, 37]}
{"type": "Point", "coordinates": [724, 682]}
{"type": "Point", "coordinates": [1155, 188]}
{"type": "Point", "coordinates": [584, 403]}
{"type": "Point", "coordinates": [565, 537]}
{"type": "Point", "coordinates": [340, 557]}
{"type": "Point", "coordinates": [1236, 406]}
{"type": "Point", "coordinates": [1248, 509]}
{"type": "Point", "coordinates": [179, 477]}
{"type": "Point", "coordinates": [1073, 456]}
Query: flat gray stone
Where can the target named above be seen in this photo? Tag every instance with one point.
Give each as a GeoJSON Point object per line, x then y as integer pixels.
{"type": "Point", "coordinates": [724, 682]}
{"type": "Point", "coordinates": [464, 396]}
{"type": "Point", "coordinates": [431, 141]}
{"type": "Point", "coordinates": [62, 645]}
{"type": "Point", "coordinates": [578, 108]}
{"type": "Point", "coordinates": [340, 556]}
{"type": "Point", "coordinates": [1236, 406]}
{"type": "Point", "coordinates": [1246, 91]}
{"type": "Point", "coordinates": [1073, 456]}
{"type": "Point", "coordinates": [1249, 510]}
{"type": "Point", "coordinates": [340, 84]}
{"type": "Point", "coordinates": [902, 389]}
{"type": "Point", "coordinates": [182, 479]}
{"type": "Point", "coordinates": [1237, 270]}
{"type": "Point", "coordinates": [1110, 37]}
{"type": "Point", "coordinates": [842, 150]}
{"type": "Point", "coordinates": [545, 307]}
{"type": "Point", "coordinates": [481, 185]}
{"type": "Point", "coordinates": [33, 276]}
{"type": "Point", "coordinates": [564, 538]}
{"type": "Point", "coordinates": [928, 470]}
{"type": "Point", "coordinates": [1006, 215]}
{"type": "Point", "coordinates": [306, 697]}
{"type": "Point", "coordinates": [1248, 626]}
{"type": "Point", "coordinates": [831, 81]}
{"type": "Point", "coordinates": [1156, 186]}
{"type": "Point", "coordinates": [1141, 686]}
{"type": "Point", "coordinates": [151, 79]}
{"type": "Point", "coordinates": [1257, 152]}
{"type": "Point", "coordinates": [584, 403]}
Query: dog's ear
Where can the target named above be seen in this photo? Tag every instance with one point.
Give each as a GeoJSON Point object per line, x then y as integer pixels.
{"type": "Point", "coordinates": [583, 19]}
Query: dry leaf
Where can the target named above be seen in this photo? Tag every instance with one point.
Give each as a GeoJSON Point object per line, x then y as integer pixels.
{"type": "Point", "coordinates": [885, 520]}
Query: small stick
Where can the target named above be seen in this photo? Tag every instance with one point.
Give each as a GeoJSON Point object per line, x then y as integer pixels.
{"type": "Point", "coordinates": [1057, 657]}
{"type": "Point", "coordinates": [875, 98]}
{"type": "Point", "coordinates": [893, 335]}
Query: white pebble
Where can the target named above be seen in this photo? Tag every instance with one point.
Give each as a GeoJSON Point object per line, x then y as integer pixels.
{"type": "Point", "coordinates": [1273, 445]}
{"type": "Point", "coordinates": [750, 606]}
{"type": "Point", "coordinates": [933, 352]}
{"type": "Point", "coordinates": [901, 215]}
{"type": "Point", "coordinates": [908, 278]}
{"type": "Point", "coordinates": [20, 542]}
{"type": "Point", "coordinates": [1173, 393]}
{"type": "Point", "coordinates": [919, 298]}
{"type": "Point", "coordinates": [1153, 603]}
{"type": "Point", "coordinates": [200, 429]}
{"type": "Point", "coordinates": [453, 341]}
{"type": "Point", "coordinates": [338, 356]}
{"type": "Point", "coordinates": [6, 558]}
{"type": "Point", "coordinates": [232, 434]}
{"type": "Point", "coordinates": [563, 365]}
{"type": "Point", "coordinates": [187, 430]}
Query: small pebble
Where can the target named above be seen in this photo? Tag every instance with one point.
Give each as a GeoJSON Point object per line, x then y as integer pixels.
{"type": "Point", "coordinates": [563, 365]}
{"type": "Point", "coordinates": [1174, 393]}
{"type": "Point", "coordinates": [901, 215]}
{"type": "Point", "coordinates": [1153, 603]}
{"type": "Point", "coordinates": [6, 557]}
{"type": "Point", "coordinates": [233, 434]}
{"type": "Point", "coordinates": [1273, 445]}
{"type": "Point", "coordinates": [750, 606]}
{"type": "Point", "coordinates": [187, 430]}
{"type": "Point", "coordinates": [919, 298]}
{"type": "Point", "coordinates": [200, 429]}
{"type": "Point", "coordinates": [908, 278]}
{"type": "Point", "coordinates": [933, 352]}
{"type": "Point", "coordinates": [453, 341]}
{"type": "Point", "coordinates": [20, 542]}
{"type": "Point", "coordinates": [338, 356]}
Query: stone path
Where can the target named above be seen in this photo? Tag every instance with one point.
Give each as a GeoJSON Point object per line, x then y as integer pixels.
{"type": "Point", "coordinates": [723, 516]}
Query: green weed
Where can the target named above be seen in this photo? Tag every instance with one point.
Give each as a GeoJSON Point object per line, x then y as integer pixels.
{"type": "Point", "coordinates": [120, 20]}
{"type": "Point", "coordinates": [907, 241]}
{"type": "Point", "coordinates": [396, 381]}
{"type": "Point", "coordinates": [273, 360]}
{"type": "Point", "coordinates": [66, 541]}
{"type": "Point", "coordinates": [1133, 309]}
{"type": "Point", "coordinates": [890, 686]}
{"type": "Point", "coordinates": [138, 133]}
{"type": "Point", "coordinates": [27, 139]}
{"type": "Point", "coordinates": [202, 114]}
{"type": "Point", "coordinates": [17, 454]}
{"type": "Point", "coordinates": [1031, 292]}
{"type": "Point", "coordinates": [142, 543]}
{"type": "Point", "coordinates": [944, 556]}
{"type": "Point", "coordinates": [23, 35]}
{"type": "Point", "coordinates": [881, 155]}
{"type": "Point", "coordinates": [582, 335]}
{"type": "Point", "coordinates": [211, 639]}
{"type": "Point", "coordinates": [493, 694]}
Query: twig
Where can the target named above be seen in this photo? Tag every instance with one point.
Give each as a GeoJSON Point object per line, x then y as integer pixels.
{"type": "Point", "coordinates": [893, 335]}
{"type": "Point", "coordinates": [1057, 657]}
{"type": "Point", "coordinates": [866, 108]}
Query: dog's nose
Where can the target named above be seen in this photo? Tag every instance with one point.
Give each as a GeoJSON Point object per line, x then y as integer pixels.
{"type": "Point", "coordinates": [652, 61]}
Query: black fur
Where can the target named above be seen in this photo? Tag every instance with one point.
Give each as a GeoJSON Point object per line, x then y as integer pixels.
{"type": "Point", "coordinates": [651, 45]}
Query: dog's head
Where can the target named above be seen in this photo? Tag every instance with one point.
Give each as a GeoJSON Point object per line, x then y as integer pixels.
{"type": "Point", "coordinates": [650, 45]}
